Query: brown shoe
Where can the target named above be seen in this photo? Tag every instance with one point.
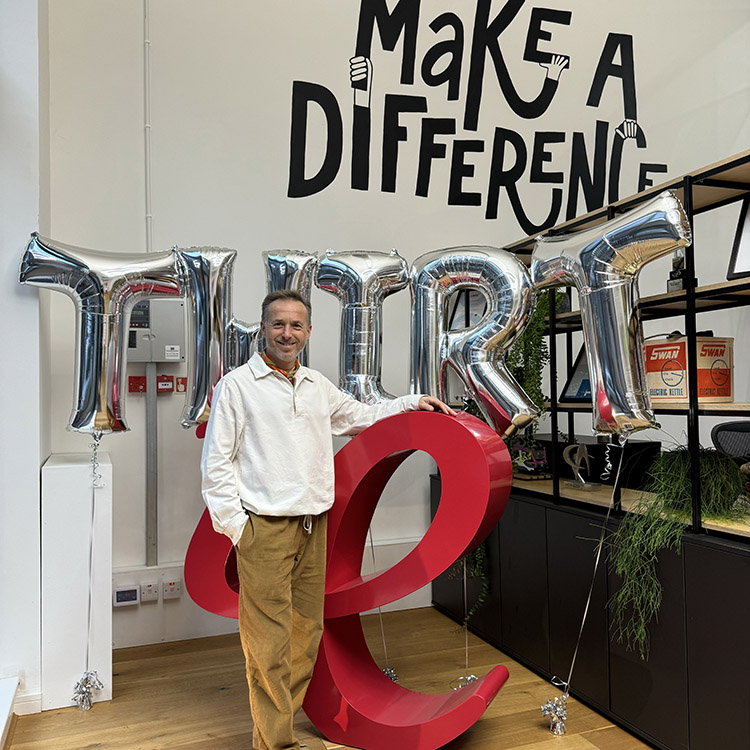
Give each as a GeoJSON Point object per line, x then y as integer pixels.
{"type": "Point", "coordinates": [311, 743]}
{"type": "Point", "coordinates": [307, 734]}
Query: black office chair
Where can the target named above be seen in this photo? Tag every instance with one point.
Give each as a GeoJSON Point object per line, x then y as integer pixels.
{"type": "Point", "coordinates": [733, 438]}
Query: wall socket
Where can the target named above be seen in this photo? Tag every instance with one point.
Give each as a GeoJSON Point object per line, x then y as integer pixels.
{"type": "Point", "coordinates": [171, 589]}
{"type": "Point", "coordinates": [149, 592]}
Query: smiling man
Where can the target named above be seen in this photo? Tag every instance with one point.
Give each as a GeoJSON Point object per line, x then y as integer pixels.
{"type": "Point", "coordinates": [268, 481]}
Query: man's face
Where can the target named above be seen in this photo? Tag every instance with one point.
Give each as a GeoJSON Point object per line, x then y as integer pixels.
{"type": "Point", "coordinates": [286, 331]}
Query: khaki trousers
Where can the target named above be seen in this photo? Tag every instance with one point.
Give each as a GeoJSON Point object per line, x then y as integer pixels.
{"type": "Point", "coordinates": [282, 583]}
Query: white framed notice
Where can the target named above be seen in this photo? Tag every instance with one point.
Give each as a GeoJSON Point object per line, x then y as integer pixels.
{"type": "Point", "coordinates": [739, 263]}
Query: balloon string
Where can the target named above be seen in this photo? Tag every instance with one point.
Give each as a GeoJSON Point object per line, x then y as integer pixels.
{"type": "Point", "coordinates": [464, 680]}
{"type": "Point", "coordinates": [95, 485]}
{"type": "Point", "coordinates": [556, 680]}
{"type": "Point", "coordinates": [388, 670]}
{"type": "Point", "coordinates": [607, 463]}
{"type": "Point", "coordinates": [89, 680]}
{"type": "Point", "coordinates": [466, 617]}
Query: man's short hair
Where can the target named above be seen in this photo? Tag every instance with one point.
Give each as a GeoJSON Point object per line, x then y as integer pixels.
{"type": "Point", "coordinates": [285, 294]}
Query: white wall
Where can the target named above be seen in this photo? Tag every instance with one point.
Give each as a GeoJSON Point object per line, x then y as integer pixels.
{"type": "Point", "coordinates": [20, 457]}
{"type": "Point", "coordinates": [222, 76]}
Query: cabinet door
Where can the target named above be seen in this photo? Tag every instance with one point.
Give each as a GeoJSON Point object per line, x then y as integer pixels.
{"type": "Point", "coordinates": [572, 542]}
{"type": "Point", "coordinates": [718, 623]}
{"type": "Point", "coordinates": [447, 589]}
{"type": "Point", "coordinates": [486, 621]}
{"type": "Point", "coordinates": [652, 695]}
{"type": "Point", "coordinates": [523, 582]}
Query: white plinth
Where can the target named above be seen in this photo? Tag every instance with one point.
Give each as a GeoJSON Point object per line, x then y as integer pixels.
{"type": "Point", "coordinates": [66, 539]}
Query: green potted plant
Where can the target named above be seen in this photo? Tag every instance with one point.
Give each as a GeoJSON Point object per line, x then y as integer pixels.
{"type": "Point", "coordinates": [657, 523]}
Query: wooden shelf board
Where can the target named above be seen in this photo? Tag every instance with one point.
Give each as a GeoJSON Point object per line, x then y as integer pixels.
{"type": "Point", "coordinates": [601, 496]}
{"type": "Point", "coordinates": [741, 528]}
{"type": "Point", "coordinates": [706, 408]}
{"type": "Point", "coordinates": [734, 293]}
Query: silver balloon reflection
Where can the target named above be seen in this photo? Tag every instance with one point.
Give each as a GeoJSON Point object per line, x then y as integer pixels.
{"type": "Point", "coordinates": [603, 264]}
{"type": "Point", "coordinates": [104, 288]}
{"type": "Point", "coordinates": [217, 341]}
{"type": "Point", "coordinates": [476, 353]}
{"type": "Point", "coordinates": [206, 274]}
{"type": "Point", "coordinates": [242, 342]}
{"type": "Point", "coordinates": [291, 269]}
{"type": "Point", "coordinates": [362, 280]}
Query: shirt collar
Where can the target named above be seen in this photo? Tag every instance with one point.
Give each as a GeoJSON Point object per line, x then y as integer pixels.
{"type": "Point", "coordinates": [289, 375]}
{"type": "Point", "coordinates": [260, 369]}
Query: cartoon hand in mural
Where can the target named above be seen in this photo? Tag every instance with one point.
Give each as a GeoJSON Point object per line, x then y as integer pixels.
{"type": "Point", "coordinates": [360, 74]}
{"type": "Point", "coordinates": [555, 66]}
{"type": "Point", "coordinates": [627, 129]}
{"type": "Point", "coordinates": [631, 129]}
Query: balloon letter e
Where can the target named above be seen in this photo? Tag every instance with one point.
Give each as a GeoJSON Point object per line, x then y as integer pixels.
{"type": "Point", "coordinates": [349, 698]}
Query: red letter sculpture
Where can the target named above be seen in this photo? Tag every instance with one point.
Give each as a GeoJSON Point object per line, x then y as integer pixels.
{"type": "Point", "coordinates": [349, 699]}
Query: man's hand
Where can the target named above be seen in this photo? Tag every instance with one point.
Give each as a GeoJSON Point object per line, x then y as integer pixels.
{"type": "Point", "coordinates": [430, 403]}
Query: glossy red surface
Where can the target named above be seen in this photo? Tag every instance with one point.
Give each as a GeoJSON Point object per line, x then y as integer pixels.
{"type": "Point", "coordinates": [349, 699]}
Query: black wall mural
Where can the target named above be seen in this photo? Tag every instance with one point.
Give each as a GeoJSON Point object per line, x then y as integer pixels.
{"type": "Point", "coordinates": [590, 170]}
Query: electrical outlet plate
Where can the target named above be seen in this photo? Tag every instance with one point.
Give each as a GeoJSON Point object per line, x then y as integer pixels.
{"type": "Point", "coordinates": [172, 588]}
{"type": "Point", "coordinates": [149, 592]}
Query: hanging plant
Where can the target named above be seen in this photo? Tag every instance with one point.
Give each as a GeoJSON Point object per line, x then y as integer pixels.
{"type": "Point", "coordinates": [527, 358]}
{"type": "Point", "coordinates": [526, 361]}
{"type": "Point", "coordinates": [476, 562]}
{"type": "Point", "coordinates": [530, 353]}
{"type": "Point", "coordinates": [657, 523]}
{"type": "Point", "coordinates": [476, 567]}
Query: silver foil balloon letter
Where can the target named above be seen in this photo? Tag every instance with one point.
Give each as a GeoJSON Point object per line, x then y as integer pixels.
{"type": "Point", "coordinates": [291, 269]}
{"type": "Point", "coordinates": [217, 341]}
{"type": "Point", "coordinates": [104, 288]}
{"type": "Point", "coordinates": [603, 264]}
{"type": "Point", "coordinates": [476, 353]}
{"type": "Point", "coordinates": [362, 280]}
{"type": "Point", "coordinates": [206, 274]}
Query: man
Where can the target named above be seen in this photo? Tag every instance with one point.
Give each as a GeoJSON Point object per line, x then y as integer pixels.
{"type": "Point", "coordinates": [268, 481]}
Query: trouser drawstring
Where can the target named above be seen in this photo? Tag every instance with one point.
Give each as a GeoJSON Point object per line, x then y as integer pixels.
{"type": "Point", "coordinates": [307, 524]}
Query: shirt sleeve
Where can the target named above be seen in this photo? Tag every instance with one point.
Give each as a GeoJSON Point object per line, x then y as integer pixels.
{"type": "Point", "coordinates": [349, 416]}
{"type": "Point", "coordinates": [219, 483]}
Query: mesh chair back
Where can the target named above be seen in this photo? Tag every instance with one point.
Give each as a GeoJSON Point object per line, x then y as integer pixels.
{"type": "Point", "coordinates": [733, 438]}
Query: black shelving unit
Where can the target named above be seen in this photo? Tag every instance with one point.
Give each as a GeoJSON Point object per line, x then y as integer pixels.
{"type": "Point", "coordinates": [693, 692]}
{"type": "Point", "coordinates": [699, 191]}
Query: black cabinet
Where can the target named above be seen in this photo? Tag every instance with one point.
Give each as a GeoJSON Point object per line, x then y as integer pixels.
{"type": "Point", "coordinates": [448, 588]}
{"type": "Point", "coordinates": [486, 621]}
{"type": "Point", "coordinates": [572, 542]}
{"type": "Point", "coordinates": [523, 583]}
{"type": "Point", "coordinates": [718, 625]}
{"type": "Point", "coordinates": [651, 695]}
{"type": "Point", "coordinates": [447, 591]}
{"type": "Point", "coordinates": [693, 692]}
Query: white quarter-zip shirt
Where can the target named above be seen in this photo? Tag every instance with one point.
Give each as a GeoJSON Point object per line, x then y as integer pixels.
{"type": "Point", "coordinates": [268, 446]}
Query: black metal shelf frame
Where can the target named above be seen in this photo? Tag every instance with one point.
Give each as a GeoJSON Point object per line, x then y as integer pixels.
{"type": "Point", "coordinates": [687, 303]}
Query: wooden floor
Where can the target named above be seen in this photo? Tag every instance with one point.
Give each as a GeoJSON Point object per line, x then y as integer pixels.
{"type": "Point", "coordinates": [192, 694]}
